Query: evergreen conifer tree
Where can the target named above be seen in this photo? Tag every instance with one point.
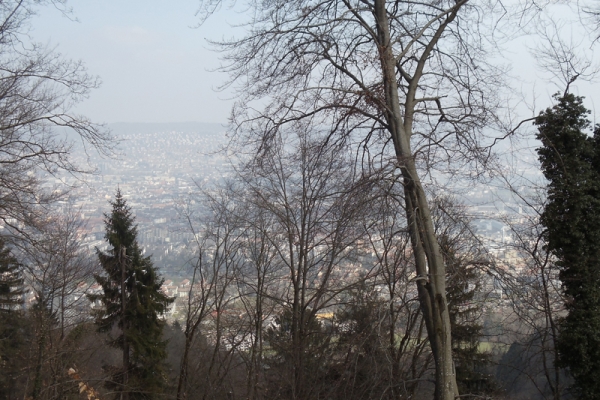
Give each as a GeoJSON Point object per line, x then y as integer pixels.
{"type": "Point", "coordinates": [133, 302]}
{"type": "Point", "coordinates": [11, 281]}
{"type": "Point", "coordinates": [12, 322]}
{"type": "Point", "coordinates": [463, 256]}
{"type": "Point", "coordinates": [570, 161]}
{"type": "Point", "coordinates": [463, 284]}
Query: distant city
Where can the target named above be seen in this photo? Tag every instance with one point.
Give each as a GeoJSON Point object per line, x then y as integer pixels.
{"type": "Point", "coordinates": [157, 166]}
{"type": "Point", "coordinates": [160, 166]}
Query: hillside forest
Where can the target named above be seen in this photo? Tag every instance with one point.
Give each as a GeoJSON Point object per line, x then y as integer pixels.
{"type": "Point", "coordinates": [338, 256]}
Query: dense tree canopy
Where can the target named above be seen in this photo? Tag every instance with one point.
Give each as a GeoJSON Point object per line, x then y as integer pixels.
{"type": "Point", "coordinates": [570, 161]}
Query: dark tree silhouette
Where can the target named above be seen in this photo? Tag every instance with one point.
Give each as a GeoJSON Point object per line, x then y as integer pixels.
{"type": "Point", "coordinates": [133, 302]}
{"type": "Point", "coordinates": [571, 162]}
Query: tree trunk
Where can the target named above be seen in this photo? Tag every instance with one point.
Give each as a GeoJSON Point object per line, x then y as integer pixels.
{"type": "Point", "coordinates": [122, 255]}
{"type": "Point", "coordinates": [430, 267]}
{"type": "Point", "coordinates": [183, 371]}
{"type": "Point", "coordinates": [37, 380]}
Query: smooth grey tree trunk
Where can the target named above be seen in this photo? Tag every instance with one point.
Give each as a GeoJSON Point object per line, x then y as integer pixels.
{"type": "Point", "coordinates": [431, 271]}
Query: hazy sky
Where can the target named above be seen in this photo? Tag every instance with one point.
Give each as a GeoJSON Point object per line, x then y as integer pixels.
{"type": "Point", "coordinates": [155, 67]}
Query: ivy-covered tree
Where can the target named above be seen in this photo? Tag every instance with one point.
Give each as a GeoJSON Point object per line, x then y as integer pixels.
{"type": "Point", "coordinates": [133, 302]}
{"type": "Point", "coordinates": [570, 160]}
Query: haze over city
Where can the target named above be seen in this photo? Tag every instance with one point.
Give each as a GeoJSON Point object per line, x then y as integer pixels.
{"type": "Point", "coordinates": [335, 199]}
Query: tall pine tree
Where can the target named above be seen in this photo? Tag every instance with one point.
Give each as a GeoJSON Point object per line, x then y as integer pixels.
{"type": "Point", "coordinates": [570, 160]}
{"type": "Point", "coordinates": [133, 302]}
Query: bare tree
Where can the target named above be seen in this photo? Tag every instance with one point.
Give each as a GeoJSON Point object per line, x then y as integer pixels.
{"type": "Point", "coordinates": [298, 215]}
{"type": "Point", "coordinates": [259, 289]}
{"type": "Point", "coordinates": [409, 81]}
{"type": "Point", "coordinates": [590, 13]}
{"type": "Point", "coordinates": [381, 324]}
{"type": "Point", "coordinates": [38, 89]}
{"type": "Point", "coordinates": [59, 269]}
{"type": "Point", "coordinates": [307, 226]}
{"type": "Point", "coordinates": [219, 241]}
{"type": "Point", "coordinates": [530, 279]}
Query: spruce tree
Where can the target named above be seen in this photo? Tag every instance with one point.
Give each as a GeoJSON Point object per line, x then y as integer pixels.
{"type": "Point", "coordinates": [133, 302]}
{"type": "Point", "coordinates": [570, 160]}
{"type": "Point", "coordinates": [463, 281]}
{"type": "Point", "coordinates": [11, 281]}
{"type": "Point", "coordinates": [463, 255]}
{"type": "Point", "coordinates": [13, 331]}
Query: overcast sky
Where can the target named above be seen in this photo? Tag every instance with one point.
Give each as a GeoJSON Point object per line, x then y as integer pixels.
{"type": "Point", "coordinates": [155, 67]}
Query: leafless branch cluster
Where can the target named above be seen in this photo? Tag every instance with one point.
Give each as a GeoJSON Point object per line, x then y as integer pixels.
{"type": "Point", "coordinates": [38, 89]}
{"type": "Point", "coordinates": [309, 260]}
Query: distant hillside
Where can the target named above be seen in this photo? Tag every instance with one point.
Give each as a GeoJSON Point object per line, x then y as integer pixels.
{"type": "Point", "coordinates": [126, 128]}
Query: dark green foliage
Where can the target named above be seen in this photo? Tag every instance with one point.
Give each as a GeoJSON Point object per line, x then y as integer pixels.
{"type": "Point", "coordinates": [13, 330]}
{"type": "Point", "coordinates": [300, 351]}
{"type": "Point", "coordinates": [520, 372]}
{"type": "Point", "coordinates": [42, 320]}
{"type": "Point", "coordinates": [362, 348]}
{"type": "Point", "coordinates": [472, 365]}
{"type": "Point", "coordinates": [571, 162]}
{"type": "Point", "coordinates": [138, 321]}
{"type": "Point", "coordinates": [11, 281]}
{"type": "Point", "coordinates": [463, 257]}
{"type": "Point", "coordinates": [15, 342]}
